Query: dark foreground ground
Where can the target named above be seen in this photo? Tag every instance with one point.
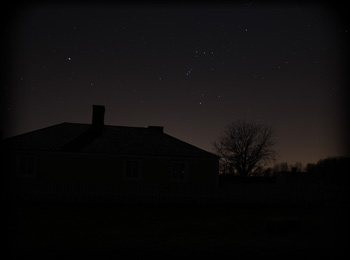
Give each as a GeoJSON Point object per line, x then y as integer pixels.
{"type": "Point", "coordinates": [58, 231]}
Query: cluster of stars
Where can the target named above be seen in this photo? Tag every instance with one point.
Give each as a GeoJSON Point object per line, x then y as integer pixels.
{"type": "Point", "coordinates": [188, 72]}
{"type": "Point", "coordinates": [179, 63]}
{"type": "Point", "coordinates": [204, 52]}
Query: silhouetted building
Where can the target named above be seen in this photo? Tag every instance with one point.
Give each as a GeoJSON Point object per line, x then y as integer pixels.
{"type": "Point", "coordinates": [103, 153]}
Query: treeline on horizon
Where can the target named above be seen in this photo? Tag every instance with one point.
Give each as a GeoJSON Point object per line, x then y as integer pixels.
{"type": "Point", "coordinates": [330, 170]}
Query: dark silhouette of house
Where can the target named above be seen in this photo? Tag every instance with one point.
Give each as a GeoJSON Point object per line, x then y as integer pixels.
{"type": "Point", "coordinates": [102, 153]}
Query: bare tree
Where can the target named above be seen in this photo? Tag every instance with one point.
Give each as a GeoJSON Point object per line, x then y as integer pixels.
{"type": "Point", "coordinates": [245, 147]}
{"type": "Point", "coordinates": [281, 167]}
{"type": "Point", "coordinates": [298, 165]}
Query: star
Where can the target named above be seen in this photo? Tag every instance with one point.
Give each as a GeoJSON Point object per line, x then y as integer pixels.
{"type": "Point", "coordinates": [69, 58]}
{"type": "Point", "coordinates": [188, 72]}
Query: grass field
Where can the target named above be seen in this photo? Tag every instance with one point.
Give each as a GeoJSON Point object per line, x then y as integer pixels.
{"type": "Point", "coordinates": [168, 231]}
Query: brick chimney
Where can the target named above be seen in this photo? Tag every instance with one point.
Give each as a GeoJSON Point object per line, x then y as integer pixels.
{"type": "Point", "coordinates": [98, 115]}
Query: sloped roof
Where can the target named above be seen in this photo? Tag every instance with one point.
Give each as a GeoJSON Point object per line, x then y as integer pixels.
{"type": "Point", "coordinates": [121, 140]}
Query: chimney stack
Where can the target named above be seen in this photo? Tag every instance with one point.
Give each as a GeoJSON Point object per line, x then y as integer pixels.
{"type": "Point", "coordinates": [98, 115]}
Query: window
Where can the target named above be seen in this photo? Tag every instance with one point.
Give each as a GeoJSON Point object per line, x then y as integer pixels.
{"type": "Point", "coordinates": [179, 171]}
{"type": "Point", "coordinates": [132, 170]}
{"type": "Point", "coordinates": [26, 164]}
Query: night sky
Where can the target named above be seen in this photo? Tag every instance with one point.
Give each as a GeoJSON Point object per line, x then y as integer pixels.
{"type": "Point", "coordinates": [190, 68]}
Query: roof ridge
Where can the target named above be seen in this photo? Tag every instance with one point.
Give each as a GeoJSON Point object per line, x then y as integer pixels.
{"type": "Point", "coordinates": [37, 130]}
{"type": "Point", "coordinates": [190, 145]}
{"type": "Point", "coordinates": [109, 139]}
{"type": "Point", "coordinates": [139, 127]}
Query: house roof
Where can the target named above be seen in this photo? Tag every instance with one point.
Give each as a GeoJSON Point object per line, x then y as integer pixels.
{"type": "Point", "coordinates": [120, 140]}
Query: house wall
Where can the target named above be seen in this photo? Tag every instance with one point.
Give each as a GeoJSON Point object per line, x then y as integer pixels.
{"type": "Point", "coordinates": [102, 168]}
{"type": "Point", "coordinates": [159, 170]}
{"type": "Point", "coordinates": [155, 170]}
{"type": "Point", "coordinates": [79, 167]}
{"type": "Point", "coordinates": [203, 171]}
